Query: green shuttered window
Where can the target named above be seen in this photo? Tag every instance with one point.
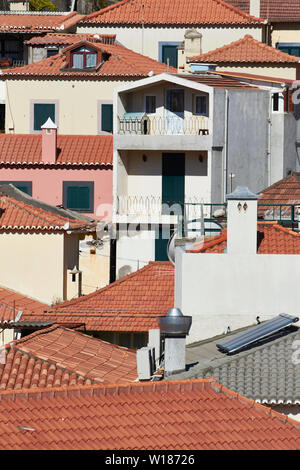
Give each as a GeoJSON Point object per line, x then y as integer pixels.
{"type": "Point", "coordinates": [106, 117]}
{"type": "Point", "coordinates": [78, 196]}
{"type": "Point", "coordinates": [42, 111]}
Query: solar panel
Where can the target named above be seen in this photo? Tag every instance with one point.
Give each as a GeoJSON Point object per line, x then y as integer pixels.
{"type": "Point", "coordinates": [256, 333]}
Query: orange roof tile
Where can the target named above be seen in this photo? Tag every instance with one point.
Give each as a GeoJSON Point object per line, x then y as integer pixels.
{"type": "Point", "coordinates": [286, 192]}
{"type": "Point", "coordinates": [11, 303]}
{"type": "Point", "coordinates": [120, 62]}
{"type": "Point", "coordinates": [19, 149]}
{"type": "Point", "coordinates": [58, 356]}
{"type": "Point", "coordinates": [30, 22]}
{"type": "Point", "coordinates": [132, 303]}
{"type": "Point", "coordinates": [272, 238]}
{"type": "Point", "coordinates": [245, 50]}
{"type": "Point", "coordinates": [177, 415]}
{"type": "Point", "coordinates": [167, 12]}
{"type": "Point", "coordinates": [61, 39]}
{"type": "Point", "coordinates": [274, 10]}
{"type": "Point", "coordinates": [18, 215]}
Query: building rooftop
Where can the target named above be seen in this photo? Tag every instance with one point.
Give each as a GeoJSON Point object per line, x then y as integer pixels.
{"type": "Point", "coordinates": [176, 13]}
{"type": "Point", "coordinates": [273, 10]}
{"type": "Point", "coordinates": [37, 22]}
{"type": "Point", "coordinates": [272, 238]}
{"type": "Point", "coordinates": [74, 150]}
{"type": "Point", "coordinates": [264, 371]}
{"type": "Point", "coordinates": [184, 415]}
{"type": "Point", "coordinates": [132, 303]}
{"type": "Point", "coordinates": [119, 62]}
{"type": "Point", "coordinates": [21, 212]}
{"type": "Point", "coordinates": [66, 39]}
{"type": "Point", "coordinates": [245, 50]}
{"type": "Point", "coordinates": [12, 304]}
{"type": "Point", "coordinates": [57, 356]}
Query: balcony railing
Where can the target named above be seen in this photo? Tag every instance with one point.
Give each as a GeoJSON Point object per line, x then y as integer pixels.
{"type": "Point", "coordinates": [159, 125]}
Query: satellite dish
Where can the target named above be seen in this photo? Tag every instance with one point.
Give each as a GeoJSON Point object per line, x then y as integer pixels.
{"type": "Point", "coordinates": [171, 248]}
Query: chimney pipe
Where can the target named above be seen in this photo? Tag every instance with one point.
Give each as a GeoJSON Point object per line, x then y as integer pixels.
{"type": "Point", "coordinates": [254, 8]}
{"type": "Point", "coordinates": [175, 327]}
{"type": "Point", "coordinates": [49, 141]}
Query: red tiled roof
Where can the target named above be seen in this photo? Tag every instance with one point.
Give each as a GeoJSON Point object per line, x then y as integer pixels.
{"type": "Point", "coordinates": [285, 192]}
{"type": "Point", "coordinates": [18, 215]}
{"type": "Point", "coordinates": [274, 10]}
{"type": "Point", "coordinates": [12, 302]}
{"type": "Point", "coordinates": [272, 238]}
{"type": "Point", "coordinates": [57, 356]}
{"type": "Point", "coordinates": [174, 415]}
{"type": "Point", "coordinates": [132, 303]}
{"type": "Point", "coordinates": [37, 22]}
{"type": "Point", "coordinates": [251, 76]}
{"type": "Point", "coordinates": [61, 39]}
{"type": "Point", "coordinates": [167, 12]}
{"type": "Point", "coordinates": [121, 62]}
{"type": "Point", "coordinates": [19, 149]}
{"type": "Point", "coordinates": [245, 50]}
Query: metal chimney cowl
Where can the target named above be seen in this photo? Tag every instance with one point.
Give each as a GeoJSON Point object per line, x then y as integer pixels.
{"type": "Point", "coordinates": [175, 323]}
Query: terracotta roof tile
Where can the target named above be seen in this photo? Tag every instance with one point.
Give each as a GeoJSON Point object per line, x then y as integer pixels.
{"type": "Point", "coordinates": [66, 39]}
{"type": "Point", "coordinates": [274, 10]}
{"type": "Point", "coordinates": [121, 62]}
{"type": "Point", "coordinates": [132, 303]}
{"type": "Point", "coordinates": [18, 215]}
{"type": "Point", "coordinates": [272, 238]}
{"type": "Point", "coordinates": [245, 50]}
{"type": "Point", "coordinates": [178, 415]}
{"type": "Point", "coordinates": [37, 22]}
{"type": "Point", "coordinates": [58, 356]}
{"type": "Point", "coordinates": [284, 191]}
{"type": "Point", "coordinates": [11, 303]}
{"type": "Point", "coordinates": [19, 149]}
{"type": "Point", "coordinates": [167, 12]}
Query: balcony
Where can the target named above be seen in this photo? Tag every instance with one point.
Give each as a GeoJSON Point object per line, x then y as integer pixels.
{"type": "Point", "coordinates": [152, 209]}
{"type": "Point", "coordinates": [143, 124]}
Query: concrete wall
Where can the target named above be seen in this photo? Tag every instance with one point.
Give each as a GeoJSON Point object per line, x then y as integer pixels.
{"type": "Point", "coordinates": [146, 40]}
{"type": "Point", "coordinates": [283, 145]}
{"type": "Point", "coordinates": [77, 103]}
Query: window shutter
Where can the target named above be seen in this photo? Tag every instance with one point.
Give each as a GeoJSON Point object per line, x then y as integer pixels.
{"type": "Point", "coordinates": [78, 197]}
{"type": "Point", "coordinates": [107, 117]}
{"type": "Point", "coordinates": [42, 111]}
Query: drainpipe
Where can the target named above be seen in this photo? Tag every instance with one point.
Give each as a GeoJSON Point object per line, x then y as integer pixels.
{"type": "Point", "coordinates": [269, 123]}
{"type": "Point", "coordinates": [225, 161]}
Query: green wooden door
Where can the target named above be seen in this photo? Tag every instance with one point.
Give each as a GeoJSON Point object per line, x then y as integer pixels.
{"type": "Point", "coordinates": [170, 52]}
{"type": "Point", "coordinates": [173, 175]}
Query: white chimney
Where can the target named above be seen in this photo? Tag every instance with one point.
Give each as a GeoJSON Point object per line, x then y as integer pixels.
{"type": "Point", "coordinates": [49, 141]}
{"type": "Point", "coordinates": [254, 9]}
{"type": "Point", "coordinates": [241, 221]}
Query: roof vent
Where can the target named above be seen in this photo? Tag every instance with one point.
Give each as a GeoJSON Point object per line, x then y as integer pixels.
{"type": "Point", "coordinates": [175, 323]}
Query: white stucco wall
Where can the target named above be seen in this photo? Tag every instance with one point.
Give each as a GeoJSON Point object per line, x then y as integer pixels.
{"type": "Point", "coordinates": [146, 40]}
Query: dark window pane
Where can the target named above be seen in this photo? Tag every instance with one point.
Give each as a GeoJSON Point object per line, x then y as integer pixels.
{"type": "Point", "coordinates": [42, 111]}
{"type": "Point", "coordinates": [51, 52]}
{"type": "Point", "coordinates": [201, 105]}
{"type": "Point", "coordinates": [275, 101]}
{"type": "Point", "coordinates": [150, 104]}
{"type": "Point", "coordinates": [25, 186]}
{"type": "Point", "coordinates": [176, 101]}
{"type": "Point", "coordinates": [107, 117]}
{"type": "Point", "coordinates": [78, 196]}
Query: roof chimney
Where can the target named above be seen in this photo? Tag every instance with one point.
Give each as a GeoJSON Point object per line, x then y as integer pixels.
{"type": "Point", "coordinates": [49, 141]}
{"type": "Point", "coordinates": [242, 221]}
{"type": "Point", "coordinates": [175, 327]}
{"type": "Point", "coordinates": [254, 8]}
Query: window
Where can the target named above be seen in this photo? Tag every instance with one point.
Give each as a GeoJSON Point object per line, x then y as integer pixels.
{"type": "Point", "coordinates": [292, 49]}
{"type": "Point", "coordinates": [41, 112]}
{"type": "Point", "coordinates": [78, 195]}
{"type": "Point", "coordinates": [25, 186]}
{"type": "Point", "coordinates": [201, 105]}
{"type": "Point", "coordinates": [52, 51]}
{"type": "Point", "coordinates": [106, 117]}
{"type": "Point", "coordinates": [84, 58]}
{"type": "Point", "coordinates": [150, 104]}
{"type": "Point", "coordinates": [275, 101]}
{"type": "Point", "coordinates": [169, 55]}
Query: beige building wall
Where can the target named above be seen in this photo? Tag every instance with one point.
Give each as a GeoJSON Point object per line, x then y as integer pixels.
{"type": "Point", "coordinates": [32, 264]}
{"type": "Point", "coordinates": [285, 33]}
{"type": "Point", "coordinates": [94, 262]}
{"type": "Point", "coordinates": [146, 40]}
{"type": "Point", "coordinates": [78, 103]}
